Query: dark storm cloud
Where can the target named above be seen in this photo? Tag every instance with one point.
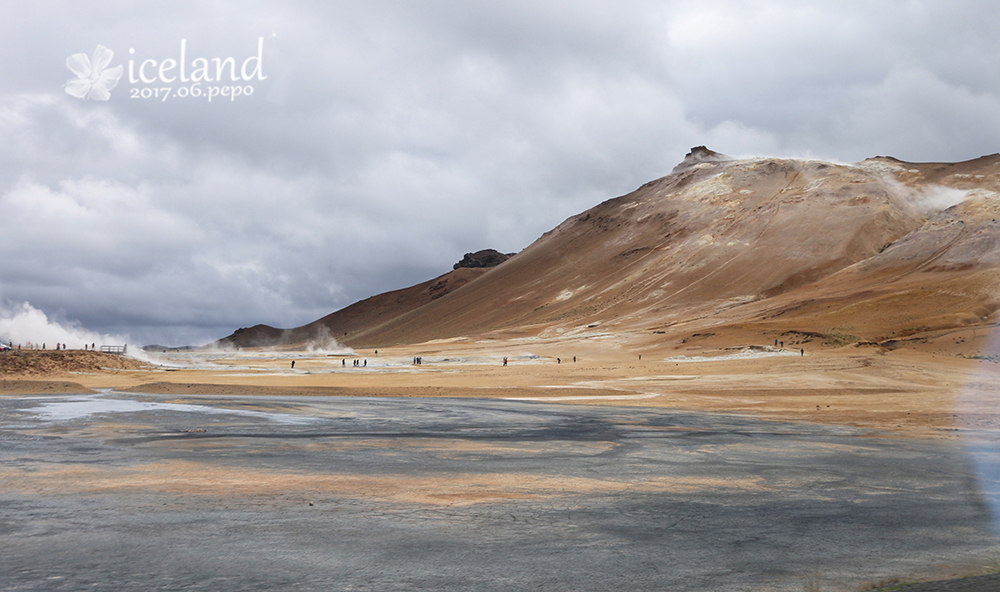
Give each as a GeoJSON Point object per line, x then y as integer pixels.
{"type": "Point", "coordinates": [389, 138]}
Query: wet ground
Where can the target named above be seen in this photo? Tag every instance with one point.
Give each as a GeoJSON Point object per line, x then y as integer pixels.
{"type": "Point", "coordinates": [144, 492]}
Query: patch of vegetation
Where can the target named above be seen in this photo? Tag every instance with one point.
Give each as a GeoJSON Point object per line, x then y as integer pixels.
{"type": "Point", "coordinates": [914, 330]}
{"type": "Point", "coordinates": [996, 360]}
{"type": "Point", "coordinates": [839, 338]}
{"type": "Point", "coordinates": [993, 567]}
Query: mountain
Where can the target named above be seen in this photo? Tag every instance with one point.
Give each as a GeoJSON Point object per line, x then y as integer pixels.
{"type": "Point", "coordinates": [877, 250]}
{"type": "Point", "coordinates": [359, 317]}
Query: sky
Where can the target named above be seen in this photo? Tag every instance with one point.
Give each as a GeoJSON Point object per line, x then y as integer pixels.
{"type": "Point", "coordinates": [373, 143]}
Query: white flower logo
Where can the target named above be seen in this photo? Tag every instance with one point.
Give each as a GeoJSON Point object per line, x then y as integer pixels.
{"type": "Point", "coordinates": [93, 80]}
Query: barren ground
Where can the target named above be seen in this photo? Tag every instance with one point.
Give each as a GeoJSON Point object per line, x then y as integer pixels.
{"type": "Point", "coordinates": [905, 392]}
{"type": "Point", "coordinates": [860, 473]}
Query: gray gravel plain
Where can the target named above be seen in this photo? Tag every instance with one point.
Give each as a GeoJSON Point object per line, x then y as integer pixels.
{"type": "Point", "coordinates": [587, 498]}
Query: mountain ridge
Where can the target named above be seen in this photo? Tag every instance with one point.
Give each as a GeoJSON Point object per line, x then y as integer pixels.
{"type": "Point", "coordinates": [722, 240]}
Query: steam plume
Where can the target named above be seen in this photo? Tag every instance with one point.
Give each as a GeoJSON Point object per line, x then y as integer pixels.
{"type": "Point", "coordinates": [23, 324]}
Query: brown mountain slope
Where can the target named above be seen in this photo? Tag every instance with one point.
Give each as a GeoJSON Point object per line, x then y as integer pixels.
{"type": "Point", "coordinates": [368, 314]}
{"type": "Point", "coordinates": [714, 233]}
{"type": "Point", "coordinates": [758, 245]}
{"type": "Point", "coordinates": [944, 275]}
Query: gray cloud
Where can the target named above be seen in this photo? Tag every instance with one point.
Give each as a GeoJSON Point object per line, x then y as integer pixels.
{"type": "Point", "coordinates": [389, 138]}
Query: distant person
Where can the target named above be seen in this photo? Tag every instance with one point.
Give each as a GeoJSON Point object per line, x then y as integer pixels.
{"type": "Point", "coordinates": [505, 361]}
{"type": "Point", "coordinates": [366, 363]}
{"type": "Point", "coordinates": [803, 351]}
{"type": "Point", "coordinates": [782, 344]}
{"type": "Point", "coordinates": [775, 343]}
{"type": "Point", "coordinates": [343, 362]}
{"type": "Point", "coordinates": [293, 364]}
{"type": "Point", "coordinates": [558, 361]}
{"type": "Point", "coordinates": [376, 352]}
{"type": "Point", "coordinates": [640, 357]}
{"type": "Point", "coordinates": [574, 359]}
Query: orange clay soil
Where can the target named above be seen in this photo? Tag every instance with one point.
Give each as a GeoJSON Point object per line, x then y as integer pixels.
{"type": "Point", "coordinates": [907, 392]}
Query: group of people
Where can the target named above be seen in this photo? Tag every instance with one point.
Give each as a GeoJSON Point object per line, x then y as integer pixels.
{"type": "Point", "coordinates": [417, 360]}
{"type": "Point", "coordinates": [802, 350]}
{"type": "Point", "coordinates": [59, 346]}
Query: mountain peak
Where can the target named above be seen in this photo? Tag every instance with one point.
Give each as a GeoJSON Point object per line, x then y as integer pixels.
{"type": "Point", "coordinates": [698, 155]}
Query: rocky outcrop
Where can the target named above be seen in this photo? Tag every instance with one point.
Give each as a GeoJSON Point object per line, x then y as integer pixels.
{"type": "Point", "coordinates": [484, 258]}
{"type": "Point", "coordinates": [698, 155]}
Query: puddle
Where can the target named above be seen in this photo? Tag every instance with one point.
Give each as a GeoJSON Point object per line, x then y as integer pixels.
{"type": "Point", "coordinates": [83, 406]}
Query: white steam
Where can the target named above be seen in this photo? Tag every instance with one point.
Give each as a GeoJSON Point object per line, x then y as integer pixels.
{"type": "Point", "coordinates": [326, 343]}
{"type": "Point", "coordinates": [24, 324]}
{"type": "Point", "coordinates": [935, 198]}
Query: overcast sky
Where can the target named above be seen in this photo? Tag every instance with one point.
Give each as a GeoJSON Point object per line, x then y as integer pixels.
{"type": "Point", "coordinates": [383, 140]}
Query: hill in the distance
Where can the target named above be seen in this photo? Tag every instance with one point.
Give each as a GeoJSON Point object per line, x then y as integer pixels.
{"type": "Point", "coordinates": [373, 311]}
{"type": "Point", "coordinates": [876, 251]}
